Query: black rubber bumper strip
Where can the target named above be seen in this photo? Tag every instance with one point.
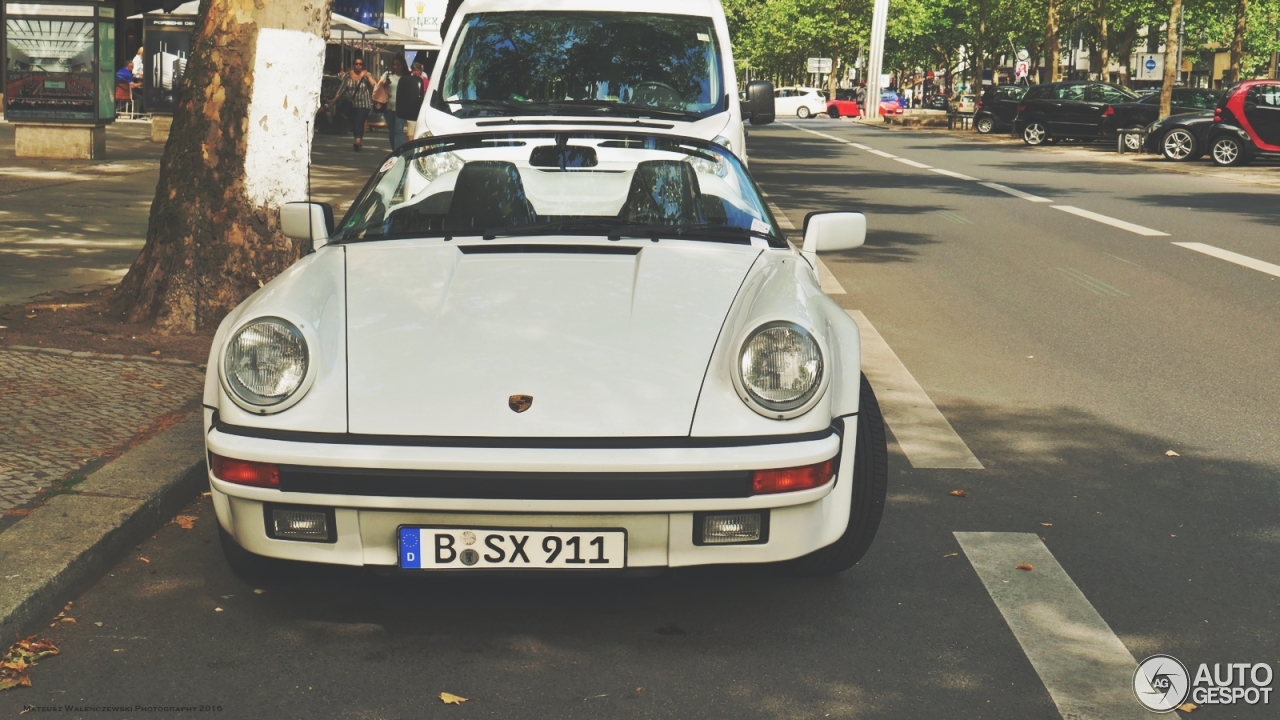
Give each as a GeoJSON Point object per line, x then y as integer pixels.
{"type": "Point", "coordinates": [572, 443]}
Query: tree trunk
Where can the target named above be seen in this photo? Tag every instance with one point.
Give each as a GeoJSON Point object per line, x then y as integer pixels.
{"type": "Point", "coordinates": [1104, 53]}
{"type": "Point", "coordinates": [979, 52]}
{"type": "Point", "coordinates": [1170, 60]}
{"type": "Point", "coordinates": [1052, 44]}
{"type": "Point", "coordinates": [239, 149]}
{"type": "Point", "coordinates": [1237, 43]}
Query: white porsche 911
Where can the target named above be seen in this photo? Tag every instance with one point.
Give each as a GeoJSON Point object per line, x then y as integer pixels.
{"type": "Point", "coordinates": [556, 350]}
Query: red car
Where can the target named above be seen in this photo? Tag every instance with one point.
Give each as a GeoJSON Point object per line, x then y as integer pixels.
{"type": "Point", "coordinates": [845, 105]}
{"type": "Point", "coordinates": [1246, 123]}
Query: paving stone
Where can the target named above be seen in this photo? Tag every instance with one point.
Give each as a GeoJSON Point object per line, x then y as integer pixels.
{"type": "Point", "coordinates": [59, 412]}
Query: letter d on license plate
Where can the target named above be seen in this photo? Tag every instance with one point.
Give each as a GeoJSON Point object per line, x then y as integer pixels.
{"type": "Point", "coordinates": [474, 548]}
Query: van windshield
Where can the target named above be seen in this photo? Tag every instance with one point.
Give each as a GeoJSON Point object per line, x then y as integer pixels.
{"type": "Point", "coordinates": [578, 63]}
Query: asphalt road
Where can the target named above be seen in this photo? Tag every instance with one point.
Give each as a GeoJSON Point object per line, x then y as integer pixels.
{"type": "Point", "coordinates": [1068, 354]}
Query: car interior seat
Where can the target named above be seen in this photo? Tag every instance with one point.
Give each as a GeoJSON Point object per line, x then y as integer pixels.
{"type": "Point", "coordinates": [489, 194]}
{"type": "Point", "coordinates": [663, 192]}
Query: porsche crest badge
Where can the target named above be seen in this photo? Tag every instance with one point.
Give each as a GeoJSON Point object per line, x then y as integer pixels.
{"type": "Point", "coordinates": [520, 403]}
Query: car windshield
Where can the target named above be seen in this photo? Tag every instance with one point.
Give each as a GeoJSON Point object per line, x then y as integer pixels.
{"type": "Point", "coordinates": [529, 184]}
{"type": "Point", "coordinates": [575, 63]}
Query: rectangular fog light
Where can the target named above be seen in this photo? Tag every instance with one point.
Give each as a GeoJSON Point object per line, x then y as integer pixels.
{"type": "Point", "coordinates": [301, 523]}
{"type": "Point", "coordinates": [731, 528]}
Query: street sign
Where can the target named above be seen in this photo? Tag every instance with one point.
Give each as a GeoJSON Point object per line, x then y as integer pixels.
{"type": "Point", "coordinates": [1023, 54]}
{"type": "Point", "coordinates": [1150, 66]}
{"type": "Point", "coordinates": [1021, 69]}
{"type": "Point", "coordinates": [819, 65]}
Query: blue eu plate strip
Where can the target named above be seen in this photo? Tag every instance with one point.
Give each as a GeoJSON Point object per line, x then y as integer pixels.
{"type": "Point", "coordinates": [410, 548]}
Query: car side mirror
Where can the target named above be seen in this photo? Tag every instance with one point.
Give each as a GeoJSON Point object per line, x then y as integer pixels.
{"type": "Point", "coordinates": [833, 231]}
{"type": "Point", "coordinates": [758, 107]}
{"type": "Point", "coordinates": [307, 222]}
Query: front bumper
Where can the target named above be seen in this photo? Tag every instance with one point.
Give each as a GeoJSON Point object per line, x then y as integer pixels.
{"type": "Point", "coordinates": [660, 530]}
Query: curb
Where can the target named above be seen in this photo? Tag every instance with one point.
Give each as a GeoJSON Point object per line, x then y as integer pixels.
{"type": "Point", "coordinates": [67, 544]}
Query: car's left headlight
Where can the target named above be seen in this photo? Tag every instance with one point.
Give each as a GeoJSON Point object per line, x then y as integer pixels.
{"type": "Point", "coordinates": [780, 369]}
{"type": "Point", "coordinates": [265, 363]}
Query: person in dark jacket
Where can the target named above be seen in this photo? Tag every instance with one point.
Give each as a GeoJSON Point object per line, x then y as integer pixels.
{"type": "Point", "coordinates": [408, 103]}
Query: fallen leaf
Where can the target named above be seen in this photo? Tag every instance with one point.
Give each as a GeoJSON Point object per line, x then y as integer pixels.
{"type": "Point", "coordinates": [950, 555]}
{"type": "Point", "coordinates": [1028, 567]}
{"type": "Point", "coordinates": [1170, 453]}
{"type": "Point", "coordinates": [1172, 535]}
{"type": "Point", "coordinates": [155, 352]}
{"type": "Point", "coordinates": [258, 592]}
{"type": "Point", "coordinates": [30, 316]}
{"type": "Point", "coordinates": [217, 609]}
{"type": "Point", "coordinates": [69, 621]}
{"type": "Point", "coordinates": [451, 699]}
{"type": "Point", "coordinates": [1188, 707]}
{"type": "Point", "coordinates": [145, 560]}
{"type": "Point", "coordinates": [98, 624]}
{"type": "Point", "coordinates": [639, 689]}
{"type": "Point", "coordinates": [20, 656]}
{"type": "Point", "coordinates": [67, 606]}
{"type": "Point", "coordinates": [959, 493]}
{"type": "Point", "coordinates": [1047, 524]}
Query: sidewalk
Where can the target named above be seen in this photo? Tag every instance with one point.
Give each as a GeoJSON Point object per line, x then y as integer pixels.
{"type": "Point", "coordinates": [95, 447]}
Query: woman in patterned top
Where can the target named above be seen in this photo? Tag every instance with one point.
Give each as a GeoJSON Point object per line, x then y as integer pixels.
{"type": "Point", "coordinates": [357, 88]}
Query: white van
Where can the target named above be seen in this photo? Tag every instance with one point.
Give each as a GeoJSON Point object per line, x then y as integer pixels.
{"type": "Point", "coordinates": [640, 64]}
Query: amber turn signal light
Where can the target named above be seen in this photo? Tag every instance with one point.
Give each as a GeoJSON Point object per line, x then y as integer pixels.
{"type": "Point", "coordinates": [246, 472]}
{"type": "Point", "coordinates": [766, 482]}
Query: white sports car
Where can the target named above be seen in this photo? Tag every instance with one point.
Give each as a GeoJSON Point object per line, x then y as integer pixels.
{"type": "Point", "coordinates": [565, 350]}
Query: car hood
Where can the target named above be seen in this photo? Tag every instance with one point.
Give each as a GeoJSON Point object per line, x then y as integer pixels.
{"type": "Point", "coordinates": [610, 340]}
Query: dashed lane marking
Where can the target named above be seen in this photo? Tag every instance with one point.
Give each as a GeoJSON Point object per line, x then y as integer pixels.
{"type": "Point", "coordinates": [1015, 192]}
{"type": "Point", "coordinates": [882, 153]}
{"type": "Point", "coordinates": [914, 164]}
{"type": "Point", "coordinates": [952, 174]}
{"type": "Point", "coordinates": [1237, 258]}
{"type": "Point", "coordinates": [1108, 220]}
{"type": "Point", "coordinates": [1084, 666]}
{"type": "Point", "coordinates": [924, 435]}
{"type": "Point", "coordinates": [826, 279]}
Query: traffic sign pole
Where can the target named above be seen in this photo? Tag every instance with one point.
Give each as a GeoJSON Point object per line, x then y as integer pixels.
{"type": "Point", "coordinates": [875, 61]}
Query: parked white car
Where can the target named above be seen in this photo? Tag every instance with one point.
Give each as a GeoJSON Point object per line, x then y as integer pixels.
{"type": "Point", "coordinates": [659, 64]}
{"type": "Point", "coordinates": [556, 349]}
{"type": "Point", "coordinates": [801, 102]}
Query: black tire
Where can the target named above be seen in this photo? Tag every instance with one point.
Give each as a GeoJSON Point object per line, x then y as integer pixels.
{"type": "Point", "coordinates": [1226, 151]}
{"type": "Point", "coordinates": [1179, 144]}
{"type": "Point", "coordinates": [1035, 133]}
{"type": "Point", "coordinates": [803, 113]}
{"type": "Point", "coordinates": [244, 563]}
{"type": "Point", "coordinates": [833, 113]}
{"type": "Point", "coordinates": [870, 485]}
{"type": "Point", "coordinates": [984, 125]}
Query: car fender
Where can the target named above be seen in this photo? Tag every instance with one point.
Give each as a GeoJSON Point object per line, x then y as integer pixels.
{"type": "Point", "coordinates": [780, 286]}
{"type": "Point", "coordinates": [310, 294]}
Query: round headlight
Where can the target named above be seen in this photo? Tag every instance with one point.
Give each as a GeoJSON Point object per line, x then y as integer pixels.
{"type": "Point", "coordinates": [780, 366]}
{"type": "Point", "coordinates": [266, 361]}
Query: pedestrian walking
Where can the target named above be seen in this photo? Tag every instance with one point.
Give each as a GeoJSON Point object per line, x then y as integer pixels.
{"type": "Point", "coordinates": [390, 85]}
{"type": "Point", "coordinates": [409, 97]}
{"type": "Point", "coordinates": [357, 89]}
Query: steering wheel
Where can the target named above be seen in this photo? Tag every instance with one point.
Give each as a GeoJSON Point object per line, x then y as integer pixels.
{"type": "Point", "coordinates": [656, 94]}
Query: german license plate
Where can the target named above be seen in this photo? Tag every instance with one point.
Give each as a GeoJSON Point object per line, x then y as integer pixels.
{"type": "Point", "coordinates": [475, 548]}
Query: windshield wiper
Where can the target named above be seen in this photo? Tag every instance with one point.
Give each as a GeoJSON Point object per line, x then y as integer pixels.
{"type": "Point", "coordinates": [494, 104]}
{"type": "Point", "coordinates": [623, 109]}
{"type": "Point", "coordinates": [616, 228]}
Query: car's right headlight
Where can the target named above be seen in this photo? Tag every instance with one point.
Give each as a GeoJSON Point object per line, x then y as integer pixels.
{"type": "Point", "coordinates": [265, 363]}
{"type": "Point", "coordinates": [780, 369]}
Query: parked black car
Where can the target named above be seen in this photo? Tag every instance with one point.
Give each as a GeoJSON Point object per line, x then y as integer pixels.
{"type": "Point", "coordinates": [937, 102]}
{"type": "Point", "coordinates": [997, 107]}
{"type": "Point", "coordinates": [1180, 137]}
{"type": "Point", "coordinates": [1143, 112]}
{"type": "Point", "coordinates": [1066, 110]}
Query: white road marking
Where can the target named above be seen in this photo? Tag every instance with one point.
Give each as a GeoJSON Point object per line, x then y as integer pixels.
{"type": "Point", "coordinates": [830, 285]}
{"type": "Point", "coordinates": [1015, 192]}
{"type": "Point", "coordinates": [882, 153]}
{"type": "Point", "coordinates": [914, 164]}
{"type": "Point", "coordinates": [819, 134]}
{"type": "Point", "coordinates": [956, 175]}
{"type": "Point", "coordinates": [1237, 258]}
{"type": "Point", "coordinates": [924, 435]}
{"type": "Point", "coordinates": [860, 146]}
{"type": "Point", "coordinates": [1084, 666]}
{"type": "Point", "coordinates": [1108, 220]}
